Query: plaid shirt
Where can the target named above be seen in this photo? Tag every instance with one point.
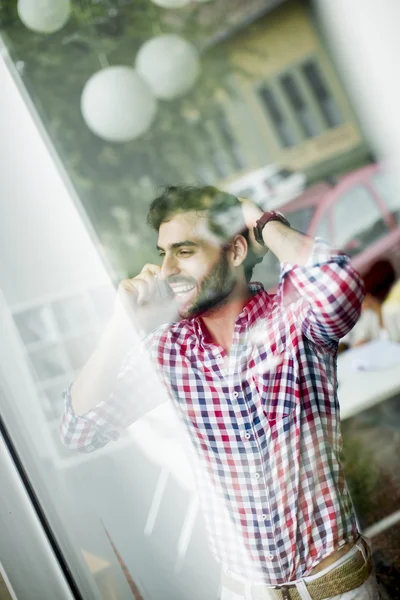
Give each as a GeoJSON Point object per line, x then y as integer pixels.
{"type": "Point", "coordinates": [263, 423]}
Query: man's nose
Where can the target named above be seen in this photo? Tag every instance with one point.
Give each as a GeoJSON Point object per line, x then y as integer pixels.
{"type": "Point", "coordinates": [169, 267]}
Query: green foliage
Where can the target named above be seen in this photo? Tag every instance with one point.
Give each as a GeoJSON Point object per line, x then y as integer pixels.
{"type": "Point", "coordinates": [55, 68]}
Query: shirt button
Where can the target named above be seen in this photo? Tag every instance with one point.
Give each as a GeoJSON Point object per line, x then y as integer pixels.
{"type": "Point", "coordinates": [257, 476]}
{"type": "Point", "coordinates": [270, 556]}
{"type": "Point", "coordinates": [264, 517]}
{"type": "Point", "coordinates": [235, 394]}
{"type": "Point", "coordinates": [247, 435]}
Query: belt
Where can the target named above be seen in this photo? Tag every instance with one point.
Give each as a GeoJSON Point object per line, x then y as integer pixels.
{"type": "Point", "coordinates": [344, 578]}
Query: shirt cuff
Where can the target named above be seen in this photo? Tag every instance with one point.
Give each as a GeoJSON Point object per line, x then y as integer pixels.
{"type": "Point", "coordinates": [94, 417]}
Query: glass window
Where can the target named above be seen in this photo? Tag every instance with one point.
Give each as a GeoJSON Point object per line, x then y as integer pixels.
{"type": "Point", "coordinates": [322, 94]}
{"type": "Point", "coordinates": [388, 190]}
{"type": "Point", "coordinates": [357, 220]}
{"type": "Point", "coordinates": [283, 128]}
{"type": "Point", "coordinates": [303, 112]}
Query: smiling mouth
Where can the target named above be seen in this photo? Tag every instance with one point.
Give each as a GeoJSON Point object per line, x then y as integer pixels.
{"type": "Point", "coordinates": [180, 290]}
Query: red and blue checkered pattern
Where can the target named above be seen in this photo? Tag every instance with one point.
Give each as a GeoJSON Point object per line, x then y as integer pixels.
{"type": "Point", "coordinates": [263, 422]}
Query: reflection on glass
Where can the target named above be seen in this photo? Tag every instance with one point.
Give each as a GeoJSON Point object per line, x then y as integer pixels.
{"type": "Point", "coordinates": [70, 314]}
{"type": "Point", "coordinates": [79, 349]}
{"type": "Point", "coordinates": [49, 362]}
{"type": "Point", "coordinates": [36, 325]}
{"type": "Point", "coordinates": [102, 299]}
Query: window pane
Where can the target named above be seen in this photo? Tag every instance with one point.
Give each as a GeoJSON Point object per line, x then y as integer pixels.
{"type": "Point", "coordinates": [282, 127]}
{"type": "Point", "coordinates": [324, 98]}
{"type": "Point", "coordinates": [303, 112]}
{"type": "Point", "coordinates": [357, 218]}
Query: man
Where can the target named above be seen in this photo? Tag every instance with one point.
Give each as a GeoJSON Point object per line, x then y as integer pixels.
{"type": "Point", "coordinates": [253, 379]}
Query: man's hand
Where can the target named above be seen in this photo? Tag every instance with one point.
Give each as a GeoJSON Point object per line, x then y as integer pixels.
{"type": "Point", "coordinates": [144, 300]}
{"type": "Point", "coordinates": [251, 213]}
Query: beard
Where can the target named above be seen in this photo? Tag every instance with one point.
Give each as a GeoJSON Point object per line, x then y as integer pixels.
{"type": "Point", "coordinates": [215, 289]}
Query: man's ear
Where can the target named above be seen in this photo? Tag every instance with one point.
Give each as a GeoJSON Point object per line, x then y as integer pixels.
{"type": "Point", "coordinates": [239, 249]}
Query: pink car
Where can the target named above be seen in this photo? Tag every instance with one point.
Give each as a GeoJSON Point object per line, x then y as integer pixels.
{"type": "Point", "coordinates": [360, 215]}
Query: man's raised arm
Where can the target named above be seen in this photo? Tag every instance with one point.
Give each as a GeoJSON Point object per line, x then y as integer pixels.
{"type": "Point", "coordinates": [108, 394]}
{"type": "Point", "coordinates": [316, 280]}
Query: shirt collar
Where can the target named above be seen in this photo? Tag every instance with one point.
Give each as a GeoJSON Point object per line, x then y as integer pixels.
{"type": "Point", "coordinates": [257, 306]}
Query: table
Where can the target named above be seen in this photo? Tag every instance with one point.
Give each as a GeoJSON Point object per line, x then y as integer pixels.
{"type": "Point", "coordinates": [372, 382]}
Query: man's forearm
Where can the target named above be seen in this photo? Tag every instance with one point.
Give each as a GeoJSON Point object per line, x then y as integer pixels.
{"type": "Point", "coordinates": [287, 244]}
{"type": "Point", "coordinates": [97, 378]}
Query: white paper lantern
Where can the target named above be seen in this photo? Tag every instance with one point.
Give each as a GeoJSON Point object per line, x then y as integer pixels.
{"type": "Point", "coordinates": [171, 3]}
{"type": "Point", "coordinates": [169, 64]}
{"type": "Point", "coordinates": [117, 105]}
{"type": "Point", "coordinates": [44, 16]}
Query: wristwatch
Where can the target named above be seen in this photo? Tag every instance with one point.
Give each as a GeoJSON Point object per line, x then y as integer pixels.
{"type": "Point", "coordinates": [271, 215]}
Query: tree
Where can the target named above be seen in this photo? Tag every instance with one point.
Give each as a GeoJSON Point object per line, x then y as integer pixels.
{"type": "Point", "coordinates": [115, 182]}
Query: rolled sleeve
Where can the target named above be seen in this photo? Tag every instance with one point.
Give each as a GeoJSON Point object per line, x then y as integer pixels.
{"type": "Point", "coordinates": [326, 293]}
{"type": "Point", "coordinates": [94, 429]}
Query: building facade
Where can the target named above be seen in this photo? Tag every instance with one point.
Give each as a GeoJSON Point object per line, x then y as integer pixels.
{"type": "Point", "coordinates": [290, 107]}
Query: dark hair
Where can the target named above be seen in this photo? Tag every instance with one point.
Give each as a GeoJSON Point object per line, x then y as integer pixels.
{"type": "Point", "coordinates": [224, 211]}
{"type": "Point", "coordinates": [379, 279]}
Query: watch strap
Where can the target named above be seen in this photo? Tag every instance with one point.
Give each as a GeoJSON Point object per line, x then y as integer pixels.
{"type": "Point", "coordinates": [268, 216]}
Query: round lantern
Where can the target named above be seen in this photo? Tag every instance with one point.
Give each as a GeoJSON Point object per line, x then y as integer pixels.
{"type": "Point", "coordinates": [117, 105]}
{"type": "Point", "coordinates": [44, 16]}
{"type": "Point", "coordinates": [171, 3]}
{"type": "Point", "coordinates": [169, 64]}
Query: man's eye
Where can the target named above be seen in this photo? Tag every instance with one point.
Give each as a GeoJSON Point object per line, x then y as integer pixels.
{"type": "Point", "coordinates": [185, 253]}
{"type": "Point", "coordinates": [162, 254]}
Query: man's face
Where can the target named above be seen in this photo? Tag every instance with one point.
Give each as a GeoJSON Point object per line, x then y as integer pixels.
{"type": "Point", "coordinates": [194, 265]}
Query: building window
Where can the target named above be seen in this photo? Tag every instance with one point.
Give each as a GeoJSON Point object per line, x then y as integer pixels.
{"type": "Point", "coordinates": [304, 113]}
{"type": "Point", "coordinates": [321, 93]}
{"type": "Point", "coordinates": [282, 126]}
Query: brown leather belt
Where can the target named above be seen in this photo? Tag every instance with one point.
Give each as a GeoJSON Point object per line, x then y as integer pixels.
{"type": "Point", "coordinates": [345, 577]}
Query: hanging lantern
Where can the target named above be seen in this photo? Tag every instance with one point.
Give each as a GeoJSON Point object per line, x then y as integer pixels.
{"type": "Point", "coordinates": [117, 105]}
{"type": "Point", "coordinates": [169, 64]}
{"type": "Point", "coordinates": [171, 3]}
{"type": "Point", "coordinates": [44, 16]}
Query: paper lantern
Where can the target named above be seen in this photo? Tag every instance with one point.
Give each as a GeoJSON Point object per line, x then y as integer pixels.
{"type": "Point", "coordinates": [171, 3]}
{"type": "Point", "coordinates": [44, 16]}
{"type": "Point", "coordinates": [169, 64]}
{"type": "Point", "coordinates": [117, 105]}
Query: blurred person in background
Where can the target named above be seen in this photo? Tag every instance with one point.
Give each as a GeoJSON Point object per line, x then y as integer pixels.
{"type": "Point", "coordinates": [252, 377]}
{"type": "Point", "coordinates": [380, 315]}
{"type": "Point", "coordinates": [391, 313]}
